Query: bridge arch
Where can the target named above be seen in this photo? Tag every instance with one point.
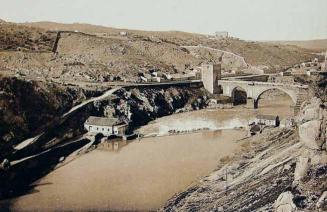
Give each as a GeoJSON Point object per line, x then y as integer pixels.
{"type": "Point", "coordinates": [239, 95]}
{"type": "Point", "coordinates": [290, 93]}
{"type": "Point", "coordinates": [232, 89]}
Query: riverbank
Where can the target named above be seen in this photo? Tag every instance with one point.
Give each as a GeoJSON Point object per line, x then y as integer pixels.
{"type": "Point", "coordinates": [282, 169]}
{"type": "Point", "coordinates": [255, 176]}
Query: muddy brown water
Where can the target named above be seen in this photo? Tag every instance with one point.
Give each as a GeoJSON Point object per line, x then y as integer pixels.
{"type": "Point", "coordinates": [144, 174]}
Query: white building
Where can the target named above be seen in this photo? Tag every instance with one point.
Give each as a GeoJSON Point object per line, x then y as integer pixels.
{"type": "Point", "coordinates": [221, 34]}
{"type": "Point", "coordinates": [123, 33]}
{"type": "Point", "coordinates": [105, 126]}
{"type": "Point", "coordinates": [268, 120]}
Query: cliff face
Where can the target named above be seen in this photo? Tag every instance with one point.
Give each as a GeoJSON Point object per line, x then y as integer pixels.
{"type": "Point", "coordinates": [28, 107]}
{"type": "Point", "coordinates": [146, 104]}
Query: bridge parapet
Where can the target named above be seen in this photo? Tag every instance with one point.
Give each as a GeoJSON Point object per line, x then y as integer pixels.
{"type": "Point", "coordinates": [255, 89]}
{"type": "Point", "coordinates": [220, 82]}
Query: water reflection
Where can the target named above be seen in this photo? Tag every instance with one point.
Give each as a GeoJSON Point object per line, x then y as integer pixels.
{"type": "Point", "coordinates": [113, 145]}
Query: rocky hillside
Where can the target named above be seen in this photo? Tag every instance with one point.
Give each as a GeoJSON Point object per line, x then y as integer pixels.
{"type": "Point", "coordinates": [315, 45]}
{"type": "Point", "coordinates": [28, 107]}
{"type": "Point", "coordinates": [23, 38]}
{"type": "Point", "coordinates": [147, 104]}
{"type": "Point", "coordinates": [95, 53]}
{"type": "Point", "coordinates": [278, 170]}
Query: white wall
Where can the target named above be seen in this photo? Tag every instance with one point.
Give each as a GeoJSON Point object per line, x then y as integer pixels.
{"type": "Point", "coordinates": [106, 131]}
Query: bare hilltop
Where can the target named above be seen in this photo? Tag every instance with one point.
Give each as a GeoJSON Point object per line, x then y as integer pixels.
{"type": "Point", "coordinates": [84, 52]}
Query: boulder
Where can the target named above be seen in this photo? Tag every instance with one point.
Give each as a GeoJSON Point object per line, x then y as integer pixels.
{"type": "Point", "coordinates": [319, 158]}
{"type": "Point", "coordinates": [311, 111]}
{"type": "Point", "coordinates": [322, 202]}
{"type": "Point", "coordinates": [301, 168]}
{"type": "Point", "coordinates": [309, 134]}
{"type": "Point", "coordinates": [284, 203]}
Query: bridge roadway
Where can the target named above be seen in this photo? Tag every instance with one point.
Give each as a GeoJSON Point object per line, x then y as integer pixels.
{"type": "Point", "coordinates": [143, 84]}
{"type": "Point", "coordinates": [128, 84]}
{"type": "Point", "coordinates": [254, 90]}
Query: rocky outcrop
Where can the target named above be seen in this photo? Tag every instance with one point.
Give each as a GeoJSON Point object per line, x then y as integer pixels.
{"type": "Point", "coordinates": [141, 105]}
{"type": "Point", "coordinates": [310, 175]}
{"type": "Point", "coordinates": [312, 121]}
{"type": "Point", "coordinates": [284, 203]}
{"type": "Point", "coordinates": [322, 202]}
{"type": "Point", "coordinates": [28, 107]}
{"type": "Point", "coordinates": [311, 110]}
{"type": "Point", "coordinates": [309, 134]}
{"type": "Point", "coordinates": [301, 168]}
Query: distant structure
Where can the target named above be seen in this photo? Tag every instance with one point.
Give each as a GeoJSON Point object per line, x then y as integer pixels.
{"type": "Point", "coordinates": [268, 120]}
{"type": "Point", "coordinates": [221, 34]}
{"type": "Point", "coordinates": [324, 63]}
{"type": "Point", "coordinates": [123, 33]}
{"type": "Point", "coordinates": [105, 126]}
{"type": "Point", "coordinates": [210, 74]}
{"type": "Point", "coordinates": [281, 79]}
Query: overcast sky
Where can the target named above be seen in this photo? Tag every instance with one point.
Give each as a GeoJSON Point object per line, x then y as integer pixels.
{"type": "Point", "coordinates": [246, 19]}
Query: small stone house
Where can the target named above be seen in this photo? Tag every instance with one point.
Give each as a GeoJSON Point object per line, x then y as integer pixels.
{"type": "Point", "coordinates": [269, 120]}
{"type": "Point", "coordinates": [105, 126]}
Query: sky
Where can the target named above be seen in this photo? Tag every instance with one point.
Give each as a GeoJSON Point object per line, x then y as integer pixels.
{"type": "Point", "coordinates": [246, 19]}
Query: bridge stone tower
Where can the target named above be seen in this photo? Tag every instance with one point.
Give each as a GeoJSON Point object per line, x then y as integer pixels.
{"type": "Point", "coordinates": [211, 73]}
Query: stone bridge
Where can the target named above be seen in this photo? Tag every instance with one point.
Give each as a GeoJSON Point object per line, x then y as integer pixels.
{"type": "Point", "coordinates": [254, 90]}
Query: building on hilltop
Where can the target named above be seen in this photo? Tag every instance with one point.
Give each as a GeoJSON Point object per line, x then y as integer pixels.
{"type": "Point", "coordinates": [221, 34]}
{"type": "Point", "coordinates": [106, 126]}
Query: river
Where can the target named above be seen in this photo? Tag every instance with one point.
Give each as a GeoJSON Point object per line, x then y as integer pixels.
{"type": "Point", "coordinates": [143, 175]}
